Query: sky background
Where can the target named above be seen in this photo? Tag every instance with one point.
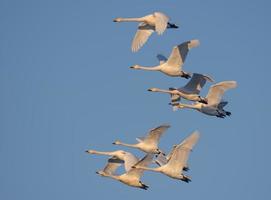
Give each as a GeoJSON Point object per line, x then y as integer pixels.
{"type": "Point", "coordinates": [66, 87]}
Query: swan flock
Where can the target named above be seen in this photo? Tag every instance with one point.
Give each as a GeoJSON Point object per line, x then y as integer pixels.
{"type": "Point", "coordinates": [174, 164]}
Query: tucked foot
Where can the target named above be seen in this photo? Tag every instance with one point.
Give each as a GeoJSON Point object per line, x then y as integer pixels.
{"type": "Point", "coordinates": [143, 186]}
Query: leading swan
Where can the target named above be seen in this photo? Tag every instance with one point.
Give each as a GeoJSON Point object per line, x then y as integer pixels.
{"type": "Point", "coordinates": [157, 22]}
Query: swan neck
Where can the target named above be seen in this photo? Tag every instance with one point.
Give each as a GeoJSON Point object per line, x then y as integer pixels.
{"type": "Point", "coordinates": [131, 19]}
{"type": "Point", "coordinates": [156, 68]}
{"type": "Point", "coordinates": [102, 153]}
{"type": "Point", "coordinates": [163, 91]}
{"type": "Point", "coordinates": [127, 145]}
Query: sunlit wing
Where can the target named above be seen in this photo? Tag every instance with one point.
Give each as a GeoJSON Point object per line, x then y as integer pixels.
{"type": "Point", "coordinates": [217, 91]}
{"type": "Point", "coordinates": [155, 134]}
{"type": "Point", "coordinates": [161, 21]}
{"type": "Point", "coordinates": [144, 162]}
{"type": "Point", "coordinates": [195, 84]}
{"type": "Point", "coordinates": [179, 53]}
{"type": "Point", "coordinates": [142, 35]}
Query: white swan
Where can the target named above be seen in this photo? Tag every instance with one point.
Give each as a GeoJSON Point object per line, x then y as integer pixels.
{"type": "Point", "coordinates": [149, 144]}
{"type": "Point", "coordinates": [148, 24]}
{"type": "Point", "coordinates": [215, 105]}
{"type": "Point", "coordinates": [132, 176]}
{"type": "Point", "coordinates": [173, 66]}
{"type": "Point", "coordinates": [124, 156]}
{"type": "Point", "coordinates": [190, 91]}
{"type": "Point", "coordinates": [177, 159]}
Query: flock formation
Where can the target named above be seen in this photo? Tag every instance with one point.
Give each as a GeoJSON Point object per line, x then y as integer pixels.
{"type": "Point", "coordinates": [174, 164]}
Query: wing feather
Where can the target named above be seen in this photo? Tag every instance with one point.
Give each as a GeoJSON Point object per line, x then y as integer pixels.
{"type": "Point", "coordinates": [143, 33]}
{"type": "Point", "coordinates": [217, 91]}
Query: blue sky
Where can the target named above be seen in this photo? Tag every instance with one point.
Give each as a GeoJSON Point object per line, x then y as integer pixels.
{"type": "Point", "coordinates": [66, 87]}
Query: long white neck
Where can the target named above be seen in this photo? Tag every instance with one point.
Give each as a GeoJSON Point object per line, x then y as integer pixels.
{"type": "Point", "coordinates": [128, 145]}
{"type": "Point", "coordinates": [195, 106]}
{"type": "Point", "coordinates": [100, 152]}
{"type": "Point", "coordinates": [116, 177]}
{"type": "Point", "coordinates": [156, 68]}
{"type": "Point", "coordinates": [131, 19]}
{"type": "Point", "coordinates": [162, 90]}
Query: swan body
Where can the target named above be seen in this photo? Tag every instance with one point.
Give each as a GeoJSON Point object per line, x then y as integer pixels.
{"type": "Point", "coordinates": [174, 64]}
{"type": "Point", "coordinates": [157, 22]}
{"type": "Point", "coordinates": [149, 144]}
{"type": "Point", "coordinates": [190, 91]}
{"type": "Point", "coordinates": [215, 105]}
{"type": "Point", "coordinates": [132, 176]}
{"type": "Point", "coordinates": [177, 159]}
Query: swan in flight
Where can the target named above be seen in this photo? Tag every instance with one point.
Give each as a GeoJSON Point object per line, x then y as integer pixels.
{"type": "Point", "coordinates": [174, 64]}
{"type": "Point", "coordinates": [124, 156]}
{"type": "Point", "coordinates": [215, 105]}
{"type": "Point", "coordinates": [176, 159]}
{"type": "Point", "coordinates": [148, 144]}
{"type": "Point", "coordinates": [190, 91]}
{"type": "Point", "coordinates": [132, 175]}
{"type": "Point", "coordinates": [157, 22]}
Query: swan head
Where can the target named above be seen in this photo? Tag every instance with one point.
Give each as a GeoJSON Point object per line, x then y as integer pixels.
{"type": "Point", "coordinates": [153, 90]}
{"type": "Point", "coordinates": [117, 19]}
{"type": "Point", "coordinates": [117, 142]}
{"type": "Point", "coordinates": [135, 67]}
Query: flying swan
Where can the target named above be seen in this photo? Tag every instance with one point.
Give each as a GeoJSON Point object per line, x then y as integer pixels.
{"type": "Point", "coordinates": [157, 22]}
{"type": "Point", "coordinates": [215, 105]}
{"type": "Point", "coordinates": [177, 159]}
{"type": "Point", "coordinates": [190, 91]}
{"type": "Point", "coordinates": [132, 175]}
{"type": "Point", "coordinates": [174, 64]}
{"type": "Point", "coordinates": [149, 144]}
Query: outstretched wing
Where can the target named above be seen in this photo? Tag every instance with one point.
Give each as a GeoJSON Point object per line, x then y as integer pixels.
{"type": "Point", "coordinates": [161, 21]}
{"type": "Point", "coordinates": [195, 84]}
{"type": "Point", "coordinates": [162, 59]}
{"type": "Point", "coordinates": [129, 161]}
{"type": "Point", "coordinates": [180, 153]}
{"type": "Point", "coordinates": [112, 165]}
{"type": "Point", "coordinates": [179, 53]}
{"type": "Point", "coordinates": [155, 134]}
{"type": "Point", "coordinates": [142, 35]}
{"type": "Point", "coordinates": [217, 91]}
{"type": "Point", "coordinates": [144, 162]}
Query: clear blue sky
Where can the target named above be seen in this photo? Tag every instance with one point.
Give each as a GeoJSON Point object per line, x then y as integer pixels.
{"type": "Point", "coordinates": [66, 87]}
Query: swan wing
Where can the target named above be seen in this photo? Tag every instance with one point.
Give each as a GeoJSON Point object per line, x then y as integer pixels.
{"type": "Point", "coordinates": [179, 53]}
{"type": "Point", "coordinates": [162, 59]}
{"type": "Point", "coordinates": [196, 83]}
{"type": "Point", "coordinates": [142, 35]}
{"type": "Point", "coordinates": [217, 91]}
{"type": "Point", "coordinates": [161, 21]}
{"type": "Point", "coordinates": [112, 165]}
{"type": "Point", "coordinates": [222, 104]}
{"type": "Point", "coordinates": [181, 152]}
{"type": "Point", "coordinates": [155, 134]}
{"type": "Point", "coordinates": [144, 162]}
{"type": "Point", "coordinates": [129, 161]}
